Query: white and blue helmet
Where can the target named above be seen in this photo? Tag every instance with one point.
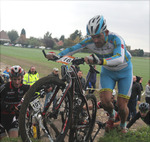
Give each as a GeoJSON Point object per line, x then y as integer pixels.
{"type": "Point", "coordinates": [96, 25]}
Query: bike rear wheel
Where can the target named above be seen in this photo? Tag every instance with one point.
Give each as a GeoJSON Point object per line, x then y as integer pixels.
{"type": "Point", "coordinates": [82, 127]}
{"type": "Point", "coordinates": [51, 127]}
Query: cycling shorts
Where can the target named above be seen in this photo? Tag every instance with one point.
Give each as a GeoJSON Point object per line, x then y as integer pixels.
{"type": "Point", "coordinates": [8, 123]}
{"type": "Point", "coordinates": [124, 79]}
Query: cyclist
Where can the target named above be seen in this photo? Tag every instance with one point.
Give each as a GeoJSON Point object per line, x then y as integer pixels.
{"type": "Point", "coordinates": [11, 95]}
{"type": "Point", "coordinates": [116, 65]}
{"type": "Point", "coordinates": [144, 114]}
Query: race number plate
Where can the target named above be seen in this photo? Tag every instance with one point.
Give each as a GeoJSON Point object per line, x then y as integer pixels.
{"type": "Point", "coordinates": [36, 104]}
{"type": "Point", "coordinates": [65, 60]}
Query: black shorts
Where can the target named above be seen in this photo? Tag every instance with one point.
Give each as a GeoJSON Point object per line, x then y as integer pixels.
{"type": "Point", "coordinates": [8, 122]}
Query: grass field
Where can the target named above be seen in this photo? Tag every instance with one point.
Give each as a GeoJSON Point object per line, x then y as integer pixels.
{"type": "Point", "coordinates": [26, 57]}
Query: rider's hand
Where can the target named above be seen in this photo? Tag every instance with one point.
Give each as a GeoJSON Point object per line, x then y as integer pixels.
{"type": "Point", "coordinates": [91, 60]}
{"type": "Point", "coordinates": [50, 55]}
{"type": "Point", "coordinates": [88, 59]}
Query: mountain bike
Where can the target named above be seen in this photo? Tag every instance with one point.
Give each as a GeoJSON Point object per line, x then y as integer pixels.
{"type": "Point", "coordinates": [68, 111]}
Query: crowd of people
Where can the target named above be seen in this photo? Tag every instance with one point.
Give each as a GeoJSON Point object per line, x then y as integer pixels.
{"type": "Point", "coordinates": [110, 52]}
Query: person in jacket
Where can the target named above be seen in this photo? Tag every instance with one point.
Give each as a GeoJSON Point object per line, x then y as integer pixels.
{"type": "Point", "coordinates": [82, 80]}
{"type": "Point", "coordinates": [147, 92]}
{"type": "Point", "coordinates": [140, 80]}
{"type": "Point", "coordinates": [31, 77]}
{"type": "Point", "coordinates": [135, 95]}
{"type": "Point", "coordinates": [11, 95]}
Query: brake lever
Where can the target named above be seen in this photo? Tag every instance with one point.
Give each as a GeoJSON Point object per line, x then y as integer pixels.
{"type": "Point", "coordinates": [94, 59]}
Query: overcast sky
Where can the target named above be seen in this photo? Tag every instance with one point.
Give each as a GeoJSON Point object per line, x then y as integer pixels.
{"type": "Point", "coordinates": [129, 19]}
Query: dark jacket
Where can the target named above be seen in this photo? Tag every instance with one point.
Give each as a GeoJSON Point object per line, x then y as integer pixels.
{"type": "Point", "coordinates": [136, 91]}
{"type": "Point", "coordinates": [93, 77]}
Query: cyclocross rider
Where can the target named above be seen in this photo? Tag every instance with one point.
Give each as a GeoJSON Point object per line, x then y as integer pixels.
{"type": "Point", "coordinates": [144, 114]}
{"type": "Point", "coordinates": [116, 66]}
{"type": "Point", "coordinates": [11, 95]}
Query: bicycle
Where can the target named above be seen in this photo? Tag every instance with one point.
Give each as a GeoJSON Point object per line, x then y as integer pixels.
{"type": "Point", "coordinates": [68, 112]}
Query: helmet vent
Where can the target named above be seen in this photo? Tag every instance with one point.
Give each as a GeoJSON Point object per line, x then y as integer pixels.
{"type": "Point", "coordinates": [96, 28]}
{"type": "Point", "coordinates": [91, 29]}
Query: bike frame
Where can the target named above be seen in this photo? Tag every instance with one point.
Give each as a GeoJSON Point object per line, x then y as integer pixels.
{"type": "Point", "coordinates": [72, 80]}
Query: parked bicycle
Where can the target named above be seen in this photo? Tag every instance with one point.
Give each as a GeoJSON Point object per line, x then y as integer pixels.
{"type": "Point", "coordinates": [68, 112]}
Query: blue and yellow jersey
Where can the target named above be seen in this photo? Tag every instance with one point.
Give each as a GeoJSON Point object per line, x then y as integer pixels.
{"type": "Point", "coordinates": [114, 53]}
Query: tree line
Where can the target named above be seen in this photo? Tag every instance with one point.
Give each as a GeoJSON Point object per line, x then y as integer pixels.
{"type": "Point", "coordinates": [56, 43]}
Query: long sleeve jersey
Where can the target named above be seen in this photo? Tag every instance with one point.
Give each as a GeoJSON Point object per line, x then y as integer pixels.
{"type": "Point", "coordinates": [114, 54]}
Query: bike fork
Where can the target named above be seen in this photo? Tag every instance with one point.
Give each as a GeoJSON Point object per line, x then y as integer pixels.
{"type": "Point", "coordinates": [39, 118]}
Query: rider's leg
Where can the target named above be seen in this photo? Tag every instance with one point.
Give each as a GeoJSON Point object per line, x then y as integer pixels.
{"type": "Point", "coordinates": [107, 84]}
{"type": "Point", "coordinates": [124, 92]}
{"type": "Point", "coordinates": [106, 99]}
{"type": "Point", "coordinates": [123, 110]}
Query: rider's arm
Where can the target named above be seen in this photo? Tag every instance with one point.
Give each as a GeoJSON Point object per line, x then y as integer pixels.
{"type": "Point", "coordinates": [76, 48]}
{"type": "Point", "coordinates": [118, 52]}
{"type": "Point", "coordinates": [133, 120]}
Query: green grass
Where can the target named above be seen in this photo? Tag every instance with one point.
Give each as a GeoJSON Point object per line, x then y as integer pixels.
{"type": "Point", "coordinates": [141, 135]}
{"type": "Point", "coordinates": [141, 65]}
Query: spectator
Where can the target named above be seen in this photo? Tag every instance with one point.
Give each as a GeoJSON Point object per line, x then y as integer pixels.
{"type": "Point", "coordinates": [144, 114]}
{"type": "Point", "coordinates": [31, 77]}
{"type": "Point", "coordinates": [11, 95]}
{"type": "Point", "coordinates": [55, 72]}
{"type": "Point", "coordinates": [139, 80]}
{"type": "Point", "coordinates": [136, 92]}
{"type": "Point", "coordinates": [6, 75]}
{"type": "Point", "coordinates": [92, 81]}
{"type": "Point", "coordinates": [82, 80]}
{"type": "Point", "coordinates": [49, 88]}
{"type": "Point", "coordinates": [147, 92]}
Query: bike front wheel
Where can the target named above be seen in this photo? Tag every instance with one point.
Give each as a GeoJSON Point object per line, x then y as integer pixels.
{"type": "Point", "coordinates": [53, 125]}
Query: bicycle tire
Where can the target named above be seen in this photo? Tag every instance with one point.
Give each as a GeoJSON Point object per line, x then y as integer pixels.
{"type": "Point", "coordinates": [83, 135]}
{"type": "Point", "coordinates": [25, 106]}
